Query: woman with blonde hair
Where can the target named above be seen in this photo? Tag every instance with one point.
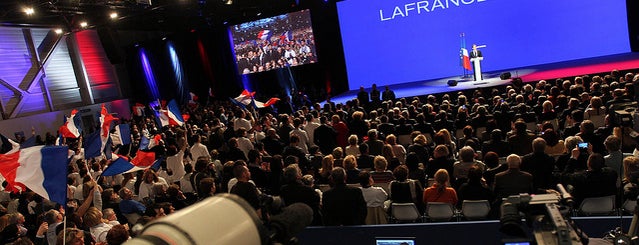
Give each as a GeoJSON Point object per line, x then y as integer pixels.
{"type": "Point", "coordinates": [398, 150]}
{"type": "Point", "coordinates": [440, 192]}
{"type": "Point", "coordinates": [389, 154]}
{"type": "Point", "coordinates": [325, 171]}
{"type": "Point", "coordinates": [97, 226]}
{"type": "Point", "coordinates": [352, 149]}
{"type": "Point", "coordinates": [443, 137]}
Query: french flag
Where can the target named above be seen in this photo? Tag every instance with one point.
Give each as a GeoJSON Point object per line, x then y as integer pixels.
{"type": "Point", "coordinates": [138, 109]}
{"type": "Point", "coordinates": [147, 144]}
{"type": "Point", "coordinates": [143, 158]}
{"type": "Point", "coordinates": [72, 126]}
{"type": "Point", "coordinates": [105, 126]}
{"type": "Point", "coordinates": [286, 37]}
{"type": "Point", "coordinates": [173, 113]}
{"type": "Point", "coordinates": [43, 169]}
{"type": "Point", "coordinates": [192, 98]}
{"type": "Point", "coordinates": [267, 104]}
{"type": "Point", "coordinates": [465, 59]}
{"type": "Point", "coordinates": [264, 35]}
{"type": "Point", "coordinates": [121, 165]}
{"type": "Point", "coordinates": [245, 97]}
{"type": "Point", "coordinates": [122, 135]}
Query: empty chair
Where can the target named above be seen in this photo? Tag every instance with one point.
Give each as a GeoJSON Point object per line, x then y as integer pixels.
{"type": "Point", "coordinates": [598, 205]}
{"type": "Point", "coordinates": [439, 211]}
{"type": "Point", "coordinates": [405, 212]}
{"type": "Point", "coordinates": [475, 209]}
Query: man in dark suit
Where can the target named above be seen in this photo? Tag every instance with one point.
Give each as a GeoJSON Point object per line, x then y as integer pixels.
{"type": "Point", "coordinates": [539, 164]}
{"type": "Point", "coordinates": [475, 53]}
{"type": "Point", "coordinates": [342, 204]}
{"type": "Point", "coordinates": [597, 181]}
{"type": "Point", "coordinates": [325, 136]}
{"type": "Point", "coordinates": [294, 191]}
{"type": "Point", "coordinates": [374, 145]}
{"type": "Point", "coordinates": [521, 141]}
{"type": "Point", "coordinates": [512, 181]}
{"type": "Point", "coordinates": [362, 96]}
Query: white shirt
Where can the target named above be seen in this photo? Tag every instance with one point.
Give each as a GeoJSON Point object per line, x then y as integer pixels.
{"type": "Point", "coordinates": [241, 123]}
{"type": "Point", "coordinates": [99, 231]}
{"type": "Point", "coordinates": [199, 150]}
{"type": "Point", "coordinates": [310, 130]}
{"type": "Point", "coordinates": [374, 196]}
{"type": "Point", "coordinates": [175, 164]}
{"type": "Point", "coordinates": [245, 145]}
{"type": "Point", "coordinates": [303, 136]}
{"type": "Point", "coordinates": [352, 150]}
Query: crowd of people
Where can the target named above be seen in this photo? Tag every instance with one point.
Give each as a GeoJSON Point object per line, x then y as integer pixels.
{"type": "Point", "coordinates": [349, 161]}
{"type": "Point", "coordinates": [282, 43]}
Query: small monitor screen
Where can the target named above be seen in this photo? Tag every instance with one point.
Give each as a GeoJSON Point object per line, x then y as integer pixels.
{"type": "Point", "coordinates": [275, 42]}
{"type": "Point", "coordinates": [395, 241]}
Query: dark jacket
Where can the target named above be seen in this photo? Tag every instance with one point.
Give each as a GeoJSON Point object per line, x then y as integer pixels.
{"type": "Point", "coordinates": [344, 205]}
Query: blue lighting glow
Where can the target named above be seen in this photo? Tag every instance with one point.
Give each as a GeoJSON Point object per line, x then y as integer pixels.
{"type": "Point", "coordinates": [180, 79]}
{"type": "Point", "coordinates": [150, 78]}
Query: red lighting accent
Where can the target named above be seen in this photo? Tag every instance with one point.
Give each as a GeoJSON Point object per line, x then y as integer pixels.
{"type": "Point", "coordinates": [192, 30]}
{"type": "Point", "coordinates": [206, 64]}
{"type": "Point", "coordinates": [99, 70]}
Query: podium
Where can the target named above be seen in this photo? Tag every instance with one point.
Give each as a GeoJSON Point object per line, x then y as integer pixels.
{"type": "Point", "coordinates": [477, 67]}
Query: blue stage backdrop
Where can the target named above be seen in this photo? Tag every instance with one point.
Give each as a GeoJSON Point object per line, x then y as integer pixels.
{"type": "Point", "coordinates": [398, 41]}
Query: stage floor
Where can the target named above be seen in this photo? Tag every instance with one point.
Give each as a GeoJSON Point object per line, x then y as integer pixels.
{"type": "Point", "coordinates": [527, 74]}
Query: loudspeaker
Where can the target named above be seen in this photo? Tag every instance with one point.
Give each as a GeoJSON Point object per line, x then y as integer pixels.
{"type": "Point", "coordinates": [517, 82]}
{"type": "Point", "coordinates": [505, 75]}
{"type": "Point", "coordinates": [452, 83]}
{"type": "Point", "coordinates": [108, 38]}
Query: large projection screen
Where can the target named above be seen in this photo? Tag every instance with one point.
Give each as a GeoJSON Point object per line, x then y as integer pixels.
{"type": "Point", "coordinates": [389, 42]}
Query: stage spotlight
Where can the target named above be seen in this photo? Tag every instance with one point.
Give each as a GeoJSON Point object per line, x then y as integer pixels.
{"type": "Point", "coordinates": [58, 31]}
{"type": "Point", "coordinates": [113, 15]}
{"type": "Point", "coordinates": [84, 24]}
{"type": "Point", "coordinates": [228, 2]}
{"type": "Point", "coordinates": [259, 13]}
{"type": "Point", "coordinates": [29, 10]}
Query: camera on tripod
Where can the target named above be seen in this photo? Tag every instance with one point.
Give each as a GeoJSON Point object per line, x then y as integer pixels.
{"type": "Point", "coordinates": [547, 219]}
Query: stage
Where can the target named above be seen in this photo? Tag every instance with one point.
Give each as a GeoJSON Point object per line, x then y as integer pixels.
{"type": "Point", "coordinates": [603, 64]}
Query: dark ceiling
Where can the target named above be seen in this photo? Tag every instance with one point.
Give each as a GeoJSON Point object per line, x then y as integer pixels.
{"type": "Point", "coordinates": [152, 15]}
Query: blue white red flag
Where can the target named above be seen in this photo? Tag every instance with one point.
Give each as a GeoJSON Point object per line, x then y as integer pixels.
{"type": "Point", "coordinates": [122, 165]}
{"type": "Point", "coordinates": [264, 35]}
{"type": "Point", "coordinates": [43, 169]}
{"type": "Point", "coordinates": [122, 135]}
{"type": "Point", "coordinates": [72, 126]}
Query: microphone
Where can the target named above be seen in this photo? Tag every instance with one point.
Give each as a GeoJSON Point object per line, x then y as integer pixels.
{"type": "Point", "coordinates": [290, 222]}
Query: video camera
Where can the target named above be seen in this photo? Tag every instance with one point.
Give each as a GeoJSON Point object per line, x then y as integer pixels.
{"type": "Point", "coordinates": [547, 218]}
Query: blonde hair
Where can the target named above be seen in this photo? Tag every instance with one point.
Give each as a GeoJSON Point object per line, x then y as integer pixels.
{"type": "Point", "coordinates": [391, 139]}
{"type": "Point", "coordinates": [327, 165]}
{"type": "Point", "coordinates": [380, 163]}
{"type": "Point", "coordinates": [92, 217]}
{"type": "Point", "coordinates": [441, 179]}
{"type": "Point", "coordinates": [350, 162]}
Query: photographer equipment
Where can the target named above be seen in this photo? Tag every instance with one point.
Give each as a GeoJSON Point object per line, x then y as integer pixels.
{"type": "Point", "coordinates": [225, 219]}
{"type": "Point", "coordinates": [544, 215]}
